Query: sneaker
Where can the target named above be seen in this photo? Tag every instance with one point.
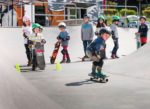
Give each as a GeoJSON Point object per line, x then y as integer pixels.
{"type": "Point", "coordinates": [34, 68]}
{"type": "Point", "coordinates": [68, 61]}
{"type": "Point", "coordinates": [117, 56]}
{"type": "Point", "coordinates": [63, 61]}
{"type": "Point", "coordinates": [113, 56]}
{"type": "Point", "coordinates": [86, 56]}
{"type": "Point", "coordinates": [92, 74]}
{"type": "Point", "coordinates": [100, 75]}
{"type": "Point", "coordinates": [29, 63]}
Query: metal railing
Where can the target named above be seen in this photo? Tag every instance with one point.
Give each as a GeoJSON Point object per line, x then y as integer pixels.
{"type": "Point", "coordinates": [52, 3]}
{"type": "Point", "coordinates": [32, 3]}
{"type": "Point", "coordinates": [119, 6]}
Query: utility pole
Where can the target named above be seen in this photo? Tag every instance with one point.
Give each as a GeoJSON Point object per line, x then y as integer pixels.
{"type": "Point", "coordinates": [12, 12]}
{"type": "Point", "coordinates": [125, 8]}
{"type": "Point", "coordinates": [139, 6]}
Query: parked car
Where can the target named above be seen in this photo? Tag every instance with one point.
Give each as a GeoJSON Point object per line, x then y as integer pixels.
{"type": "Point", "coordinates": [148, 24]}
{"type": "Point", "coordinates": [133, 24]}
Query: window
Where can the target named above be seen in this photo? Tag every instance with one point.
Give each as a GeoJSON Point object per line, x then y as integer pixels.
{"type": "Point", "coordinates": [74, 13]}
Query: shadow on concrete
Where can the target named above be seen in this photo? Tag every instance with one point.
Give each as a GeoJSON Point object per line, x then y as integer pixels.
{"type": "Point", "coordinates": [80, 83]}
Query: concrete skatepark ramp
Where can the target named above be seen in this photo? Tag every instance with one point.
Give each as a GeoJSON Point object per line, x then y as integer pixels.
{"type": "Point", "coordinates": [70, 88]}
{"type": "Point", "coordinates": [135, 65]}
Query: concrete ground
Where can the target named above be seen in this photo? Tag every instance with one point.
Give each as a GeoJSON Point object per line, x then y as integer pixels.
{"type": "Point", "coordinates": [70, 88]}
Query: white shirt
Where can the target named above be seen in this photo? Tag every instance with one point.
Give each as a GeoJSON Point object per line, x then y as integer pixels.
{"type": "Point", "coordinates": [27, 31]}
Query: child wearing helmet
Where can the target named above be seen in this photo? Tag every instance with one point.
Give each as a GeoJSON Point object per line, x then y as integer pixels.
{"type": "Point", "coordinates": [37, 36]}
{"type": "Point", "coordinates": [115, 21]}
{"type": "Point", "coordinates": [64, 38]}
{"type": "Point", "coordinates": [96, 52]}
{"type": "Point", "coordinates": [143, 29]}
{"type": "Point", "coordinates": [27, 31]}
{"type": "Point", "coordinates": [101, 22]}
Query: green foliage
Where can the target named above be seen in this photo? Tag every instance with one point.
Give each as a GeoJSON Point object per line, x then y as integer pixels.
{"type": "Point", "coordinates": [111, 3]}
{"type": "Point", "coordinates": [128, 12]}
{"type": "Point", "coordinates": [109, 20]}
{"type": "Point", "coordinates": [146, 12]}
{"type": "Point", "coordinates": [110, 11]}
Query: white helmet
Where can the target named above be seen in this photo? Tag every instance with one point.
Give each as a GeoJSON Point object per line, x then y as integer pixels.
{"type": "Point", "coordinates": [62, 24]}
{"type": "Point", "coordinates": [26, 18]}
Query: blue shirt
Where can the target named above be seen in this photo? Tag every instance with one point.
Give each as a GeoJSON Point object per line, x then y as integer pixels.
{"type": "Point", "coordinates": [64, 37]}
{"type": "Point", "coordinates": [97, 46]}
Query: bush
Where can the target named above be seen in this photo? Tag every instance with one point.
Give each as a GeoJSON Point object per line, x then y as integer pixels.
{"type": "Point", "coordinates": [110, 11]}
{"type": "Point", "coordinates": [146, 12]}
{"type": "Point", "coordinates": [128, 12]}
{"type": "Point", "coordinates": [109, 20]}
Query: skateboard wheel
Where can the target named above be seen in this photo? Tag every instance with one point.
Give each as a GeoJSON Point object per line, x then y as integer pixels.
{"type": "Point", "coordinates": [106, 80]}
{"type": "Point", "coordinates": [91, 78]}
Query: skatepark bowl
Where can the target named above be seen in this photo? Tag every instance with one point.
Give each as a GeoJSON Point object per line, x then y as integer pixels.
{"type": "Point", "coordinates": [70, 87]}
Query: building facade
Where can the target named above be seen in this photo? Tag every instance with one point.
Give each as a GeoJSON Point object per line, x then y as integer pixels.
{"type": "Point", "coordinates": [45, 12]}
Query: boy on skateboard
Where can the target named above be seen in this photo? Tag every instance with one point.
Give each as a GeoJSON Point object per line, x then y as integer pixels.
{"type": "Point", "coordinates": [96, 51]}
{"type": "Point", "coordinates": [64, 38]}
{"type": "Point", "coordinates": [35, 38]}
{"type": "Point", "coordinates": [143, 29]}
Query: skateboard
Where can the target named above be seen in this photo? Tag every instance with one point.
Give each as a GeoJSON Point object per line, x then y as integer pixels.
{"type": "Point", "coordinates": [138, 41]}
{"type": "Point", "coordinates": [24, 68]}
{"type": "Point", "coordinates": [99, 79]}
{"type": "Point", "coordinates": [39, 52]}
{"type": "Point", "coordinates": [55, 52]}
{"type": "Point", "coordinates": [85, 59]}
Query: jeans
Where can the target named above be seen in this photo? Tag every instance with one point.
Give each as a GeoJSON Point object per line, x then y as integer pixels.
{"type": "Point", "coordinates": [65, 53]}
{"type": "Point", "coordinates": [28, 52]}
{"type": "Point", "coordinates": [85, 45]}
{"type": "Point", "coordinates": [116, 46]}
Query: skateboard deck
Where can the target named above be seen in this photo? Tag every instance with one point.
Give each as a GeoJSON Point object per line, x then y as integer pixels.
{"type": "Point", "coordinates": [99, 79]}
{"type": "Point", "coordinates": [138, 41]}
{"type": "Point", "coordinates": [84, 59]}
{"type": "Point", "coordinates": [39, 50]}
{"type": "Point", "coordinates": [55, 52]}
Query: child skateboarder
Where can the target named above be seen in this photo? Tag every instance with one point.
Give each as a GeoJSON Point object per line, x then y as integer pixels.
{"type": "Point", "coordinates": [115, 20]}
{"type": "Point", "coordinates": [143, 29]}
{"type": "Point", "coordinates": [96, 51]}
{"type": "Point", "coordinates": [35, 38]}
{"type": "Point", "coordinates": [64, 38]}
{"type": "Point", "coordinates": [27, 31]}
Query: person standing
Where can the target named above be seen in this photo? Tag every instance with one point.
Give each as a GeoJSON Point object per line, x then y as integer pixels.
{"type": "Point", "coordinates": [64, 38]}
{"type": "Point", "coordinates": [115, 21]}
{"type": "Point", "coordinates": [27, 31]}
{"type": "Point", "coordinates": [101, 22]}
{"type": "Point", "coordinates": [143, 29]}
{"type": "Point", "coordinates": [87, 34]}
{"type": "Point", "coordinates": [36, 37]}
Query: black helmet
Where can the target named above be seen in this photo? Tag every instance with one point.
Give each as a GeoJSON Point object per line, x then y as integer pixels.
{"type": "Point", "coordinates": [86, 16]}
{"type": "Point", "coordinates": [142, 17]}
{"type": "Point", "coordinates": [104, 30]}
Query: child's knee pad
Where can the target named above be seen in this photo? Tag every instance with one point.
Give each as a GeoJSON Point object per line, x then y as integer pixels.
{"type": "Point", "coordinates": [99, 64]}
{"type": "Point", "coordinates": [63, 51]}
{"type": "Point", "coordinates": [88, 53]}
{"type": "Point", "coordinates": [95, 59]}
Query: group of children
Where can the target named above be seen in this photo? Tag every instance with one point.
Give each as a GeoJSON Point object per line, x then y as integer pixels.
{"type": "Point", "coordinates": [32, 34]}
{"type": "Point", "coordinates": [95, 50]}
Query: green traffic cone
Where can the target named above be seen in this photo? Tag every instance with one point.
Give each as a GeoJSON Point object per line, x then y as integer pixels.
{"type": "Point", "coordinates": [18, 68]}
{"type": "Point", "coordinates": [58, 66]}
